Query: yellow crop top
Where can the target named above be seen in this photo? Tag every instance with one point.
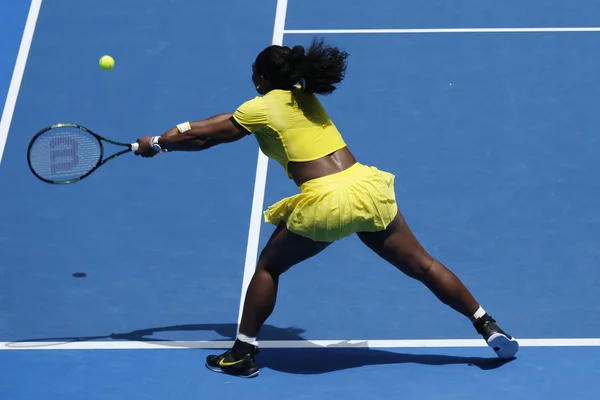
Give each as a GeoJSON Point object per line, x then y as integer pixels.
{"type": "Point", "coordinates": [290, 126]}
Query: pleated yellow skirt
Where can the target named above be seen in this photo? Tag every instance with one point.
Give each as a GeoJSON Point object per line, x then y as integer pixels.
{"type": "Point", "coordinates": [358, 199]}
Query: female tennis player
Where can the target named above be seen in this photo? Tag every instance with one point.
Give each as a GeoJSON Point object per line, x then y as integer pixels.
{"type": "Point", "coordinates": [338, 196]}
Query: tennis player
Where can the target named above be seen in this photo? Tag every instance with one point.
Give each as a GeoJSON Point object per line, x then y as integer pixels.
{"type": "Point", "coordinates": [338, 196]}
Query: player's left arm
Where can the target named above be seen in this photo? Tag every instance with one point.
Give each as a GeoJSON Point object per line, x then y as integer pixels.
{"type": "Point", "coordinates": [195, 135]}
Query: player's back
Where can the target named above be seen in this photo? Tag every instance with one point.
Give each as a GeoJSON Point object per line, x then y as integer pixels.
{"type": "Point", "coordinates": [303, 126]}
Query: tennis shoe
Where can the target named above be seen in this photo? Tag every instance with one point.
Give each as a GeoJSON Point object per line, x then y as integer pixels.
{"type": "Point", "coordinates": [238, 361]}
{"type": "Point", "coordinates": [501, 342]}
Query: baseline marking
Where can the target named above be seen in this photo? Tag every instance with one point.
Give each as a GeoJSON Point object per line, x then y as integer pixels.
{"type": "Point", "coordinates": [290, 344]}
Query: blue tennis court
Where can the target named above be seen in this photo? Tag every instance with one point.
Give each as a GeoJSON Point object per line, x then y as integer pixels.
{"type": "Point", "coordinates": [485, 113]}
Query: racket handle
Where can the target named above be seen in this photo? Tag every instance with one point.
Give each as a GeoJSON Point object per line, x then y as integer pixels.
{"type": "Point", "coordinates": [134, 146]}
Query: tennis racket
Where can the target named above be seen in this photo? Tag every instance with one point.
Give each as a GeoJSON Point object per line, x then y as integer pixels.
{"type": "Point", "coordinates": [67, 153]}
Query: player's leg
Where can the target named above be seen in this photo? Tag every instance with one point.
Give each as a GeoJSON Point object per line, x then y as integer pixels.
{"type": "Point", "coordinates": [400, 247]}
{"type": "Point", "coordinates": [283, 250]}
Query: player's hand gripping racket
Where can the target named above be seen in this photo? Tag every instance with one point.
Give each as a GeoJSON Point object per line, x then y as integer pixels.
{"type": "Point", "coordinates": [67, 153]}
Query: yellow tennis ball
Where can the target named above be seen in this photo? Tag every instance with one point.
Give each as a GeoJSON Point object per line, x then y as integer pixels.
{"type": "Point", "coordinates": [107, 62]}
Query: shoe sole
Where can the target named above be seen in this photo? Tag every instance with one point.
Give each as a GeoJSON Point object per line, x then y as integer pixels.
{"type": "Point", "coordinates": [504, 346]}
{"type": "Point", "coordinates": [219, 370]}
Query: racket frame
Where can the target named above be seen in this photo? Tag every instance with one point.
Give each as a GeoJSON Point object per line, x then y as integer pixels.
{"type": "Point", "coordinates": [99, 138]}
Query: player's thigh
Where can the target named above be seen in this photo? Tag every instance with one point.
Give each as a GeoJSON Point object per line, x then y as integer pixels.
{"type": "Point", "coordinates": [398, 245]}
{"type": "Point", "coordinates": [286, 249]}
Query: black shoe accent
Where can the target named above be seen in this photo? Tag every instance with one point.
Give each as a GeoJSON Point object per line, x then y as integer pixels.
{"type": "Point", "coordinates": [501, 342]}
{"type": "Point", "coordinates": [238, 361]}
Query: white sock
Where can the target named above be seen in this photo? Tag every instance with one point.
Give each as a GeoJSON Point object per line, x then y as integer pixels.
{"type": "Point", "coordinates": [247, 339]}
{"type": "Point", "coordinates": [478, 314]}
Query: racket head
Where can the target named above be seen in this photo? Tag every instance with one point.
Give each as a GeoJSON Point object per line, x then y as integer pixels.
{"type": "Point", "coordinates": [64, 153]}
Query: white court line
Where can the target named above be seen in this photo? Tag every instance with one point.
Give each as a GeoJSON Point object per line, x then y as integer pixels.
{"type": "Point", "coordinates": [292, 344]}
{"type": "Point", "coordinates": [19, 70]}
{"type": "Point", "coordinates": [440, 30]}
{"type": "Point", "coordinates": [260, 180]}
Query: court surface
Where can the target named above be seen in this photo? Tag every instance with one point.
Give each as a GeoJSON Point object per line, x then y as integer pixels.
{"type": "Point", "coordinates": [486, 113]}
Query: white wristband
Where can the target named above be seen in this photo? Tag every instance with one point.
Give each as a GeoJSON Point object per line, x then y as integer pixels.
{"type": "Point", "coordinates": [154, 144]}
{"type": "Point", "coordinates": [184, 127]}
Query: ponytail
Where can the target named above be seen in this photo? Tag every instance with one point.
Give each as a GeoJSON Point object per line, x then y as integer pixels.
{"type": "Point", "coordinates": [318, 70]}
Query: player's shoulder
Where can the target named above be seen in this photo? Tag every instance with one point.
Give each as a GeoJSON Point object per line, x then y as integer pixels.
{"type": "Point", "coordinates": [255, 103]}
{"type": "Point", "coordinates": [254, 100]}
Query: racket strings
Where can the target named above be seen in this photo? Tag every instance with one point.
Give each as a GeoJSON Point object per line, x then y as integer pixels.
{"type": "Point", "coordinates": [64, 153]}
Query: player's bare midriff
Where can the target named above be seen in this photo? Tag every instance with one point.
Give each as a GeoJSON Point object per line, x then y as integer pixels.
{"type": "Point", "coordinates": [335, 162]}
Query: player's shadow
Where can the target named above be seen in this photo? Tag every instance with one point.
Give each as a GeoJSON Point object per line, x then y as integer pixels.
{"type": "Point", "coordinates": [310, 359]}
{"type": "Point", "coordinates": [324, 360]}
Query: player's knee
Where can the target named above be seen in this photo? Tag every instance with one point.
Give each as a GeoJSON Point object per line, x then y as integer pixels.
{"type": "Point", "coordinates": [271, 268]}
{"type": "Point", "coordinates": [419, 266]}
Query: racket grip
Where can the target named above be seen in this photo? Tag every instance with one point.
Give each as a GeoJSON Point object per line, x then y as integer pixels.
{"type": "Point", "coordinates": [134, 146]}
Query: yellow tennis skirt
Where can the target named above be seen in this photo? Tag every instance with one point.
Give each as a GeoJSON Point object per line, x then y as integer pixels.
{"type": "Point", "coordinates": [358, 199]}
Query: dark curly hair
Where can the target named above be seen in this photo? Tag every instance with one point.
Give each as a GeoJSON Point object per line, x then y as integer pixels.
{"type": "Point", "coordinates": [317, 69]}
